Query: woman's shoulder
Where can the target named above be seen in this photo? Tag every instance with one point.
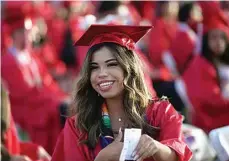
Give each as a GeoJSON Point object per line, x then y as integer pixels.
{"type": "Point", "coordinates": [159, 105]}
{"type": "Point", "coordinates": [70, 124]}
{"type": "Point", "coordinates": [71, 128]}
{"type": "Point", "coordinates": [159, 110]}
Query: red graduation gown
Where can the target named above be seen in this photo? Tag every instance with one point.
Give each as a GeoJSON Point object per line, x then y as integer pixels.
{"type": "Point", "coordinates": [57, 30]}
{"type": "Point", "coordinates": [160, 114]}
{"type": "Point", "coordinates": [210, 109]}
{"type": "Point", "coordinates": [160, 40]}
{"type": "Point", "coordinates": [183, 46]}
{"type": "Point", "coordinates": [55, 25]}
{"type": "Point", "coordinates": [145, 9]}
{"type": "Point", "coordinates": [15, 147]}
{"type": "Point", "coordinates": [34, 107]}
{"type": "Point", "coordinates": [161, 36]}
{"type": "Point", "coordinates": [47, 54]}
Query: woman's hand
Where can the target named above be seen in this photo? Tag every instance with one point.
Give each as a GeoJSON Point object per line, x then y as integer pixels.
{"type": "Point", "coordinates": [113, 151]}
{"type": "Point", "coordinates": [146, 148]}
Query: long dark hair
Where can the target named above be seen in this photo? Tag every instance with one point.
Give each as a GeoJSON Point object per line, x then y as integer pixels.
{"type": "Point", "coordinates": [87, 106]}
{"type": "Point", "coordinates": [185, 12]}
{"type": "Point", "coordinates": [208, 53]}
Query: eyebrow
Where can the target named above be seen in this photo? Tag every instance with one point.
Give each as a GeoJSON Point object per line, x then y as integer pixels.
{"type": "Point", "coordinates": [107, 61]}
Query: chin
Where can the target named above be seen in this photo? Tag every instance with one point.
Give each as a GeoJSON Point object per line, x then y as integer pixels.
{"type": "Point", "coordinates": [111, 94]}
{"type": "Point", "coordinates": [108, 96]}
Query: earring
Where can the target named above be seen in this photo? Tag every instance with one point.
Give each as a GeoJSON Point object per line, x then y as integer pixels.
{"type": "Point", "coordinates": [98, 95]}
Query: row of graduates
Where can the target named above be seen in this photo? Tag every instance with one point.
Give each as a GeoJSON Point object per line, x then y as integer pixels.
{"type": "Point", "coordinates": [37, 101]}
{"type": "Point", "coordinates": [195, 53]}
{"type": "Point", "coordinates": [32, 78]}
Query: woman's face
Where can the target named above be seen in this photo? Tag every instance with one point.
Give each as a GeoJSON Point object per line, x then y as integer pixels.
{"type": "Point", "coordinates": [217, 42]}
{"type": "Point", "coordinates": [106, 74]}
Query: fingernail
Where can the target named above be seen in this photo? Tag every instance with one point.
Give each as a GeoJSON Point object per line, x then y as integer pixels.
{"type": "Point", "coordinates": [136, 157]}
{"type": "Point", "coordinates": [134, 153]}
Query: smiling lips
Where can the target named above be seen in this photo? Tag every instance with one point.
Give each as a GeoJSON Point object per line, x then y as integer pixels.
{"type": "Point", "coordinates": [105, 86]}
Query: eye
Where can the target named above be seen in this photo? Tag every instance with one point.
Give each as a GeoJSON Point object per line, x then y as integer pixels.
{"type": "Point", "coordinates": [93, 67]}
{"type": "Point", "coordinates": [112, 64]}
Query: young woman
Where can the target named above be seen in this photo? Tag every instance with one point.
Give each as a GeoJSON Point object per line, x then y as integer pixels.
{"type": "Point", "coordinates": [111, 95]}
{"type": "Point", "coordinates": [207, 80]}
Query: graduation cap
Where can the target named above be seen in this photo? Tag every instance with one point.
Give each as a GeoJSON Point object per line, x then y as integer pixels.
{"type": "Point", "coordinates": [214, 18]}
{"type": "Point", "coordinates": [121, 34]}
{"type": "Point", "coordinates": [16, 12]}
{"type": "Point", "coordinates": [216, 24]}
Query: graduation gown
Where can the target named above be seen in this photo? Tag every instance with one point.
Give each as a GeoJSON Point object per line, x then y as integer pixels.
{"type": "Point", "coordinates": [145, 9]}
{"type": "Point", "coordinates": [210, 109]}
{"type": "Point", "coordinates": [35, 98]}
{"type": "Point", "coordinates": [47, 54]}
{"type": "Point", "coordinates": [159, 114]}
{"type": "Point", "coordinates": [160, 39]}
{"type": "Point", "coordinates": [163, 32]}
{"type": "Point", "coordinates": [15, 147]}
{"type": "Point", "coordinates": [183, 46]}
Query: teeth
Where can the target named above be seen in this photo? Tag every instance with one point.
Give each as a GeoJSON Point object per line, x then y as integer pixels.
{"type": "Point", "coordinates": [105, 84]}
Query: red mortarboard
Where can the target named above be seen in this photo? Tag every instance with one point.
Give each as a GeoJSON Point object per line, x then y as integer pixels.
{"type": "Point", "coordinates": [15, 13]}
{"type": "Point", "coordinates": [214, 17]}
{"type": "Point", "coordinates": [212, 11]}
{"type": "Point", "coordinates": [121, 34]}
{"type": "Point", "coordinates": [17, 9]}
{"type": "Point", "coordinates": [216, 24]}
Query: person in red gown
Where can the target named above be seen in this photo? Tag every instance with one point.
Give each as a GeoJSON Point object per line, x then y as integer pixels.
{"type": "Point", "coordinates": [161, 37]}
{"type": "Point", "coordinates": [207, 80]}
{"type": "Point", "coordinates": [111, 95]}
{"type": "Point", "coordinates": [182, 48]}
{"type": "Point", "coordinates": [37, 101]}
{"type": "Point", "coordinates": [165, 28]}
{"type": "Point", "coordinates": [145, 9]}
{"type": "Point", "coordinates": [12, 149]}
{"type": "Point", "coordinates": [184, 44]}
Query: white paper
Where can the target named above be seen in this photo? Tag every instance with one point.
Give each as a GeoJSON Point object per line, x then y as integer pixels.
{"type": "Point", "coordinates": [131, 139]}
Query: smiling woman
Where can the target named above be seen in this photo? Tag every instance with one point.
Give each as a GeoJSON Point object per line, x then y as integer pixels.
{"type": "Point", "coordinates": [111, 95]}
{"type": "Point", "coordinates": [106, 74]}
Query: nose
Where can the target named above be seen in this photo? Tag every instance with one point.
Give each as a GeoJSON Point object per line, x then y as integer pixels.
{"type": "Point", "coordinates": [102, 73]}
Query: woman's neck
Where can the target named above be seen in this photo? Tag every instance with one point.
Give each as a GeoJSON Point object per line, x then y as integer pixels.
{"type": "Point", "coordinates": [115, 107]}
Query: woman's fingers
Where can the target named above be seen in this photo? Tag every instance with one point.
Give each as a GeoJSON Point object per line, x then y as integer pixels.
{"type": "Point", "coordinates": [148, 152]}
{"type": "Point", "coordinates": [139, 147]}
{"type": "Point", "coordinates": [145, 148]}
{"type": "Point", "coordinates": [119, 137]}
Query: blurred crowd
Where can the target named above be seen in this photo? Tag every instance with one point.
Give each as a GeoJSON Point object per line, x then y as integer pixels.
{"type": "Point", "coordinates": [185, 57]}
